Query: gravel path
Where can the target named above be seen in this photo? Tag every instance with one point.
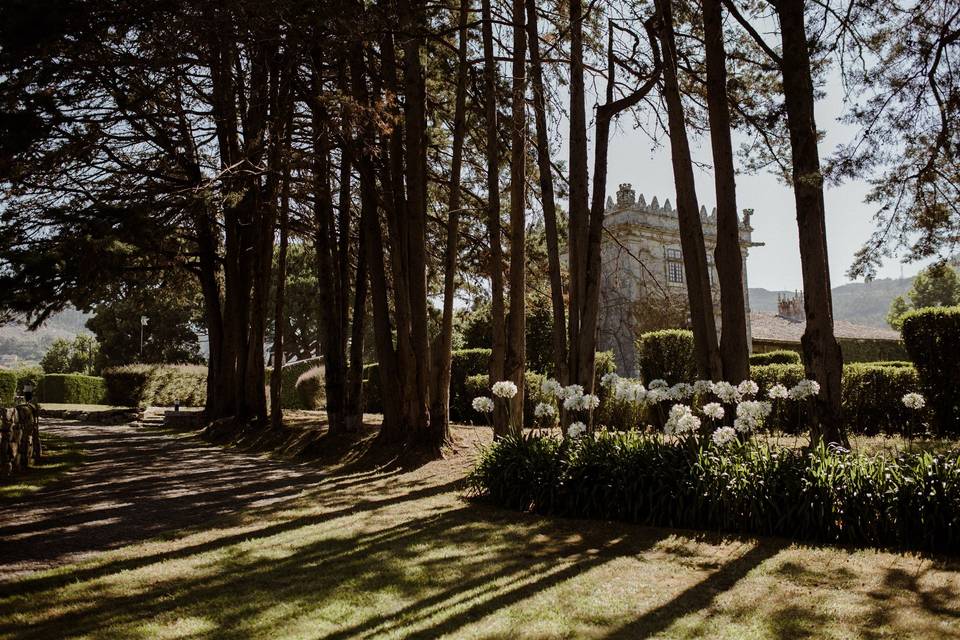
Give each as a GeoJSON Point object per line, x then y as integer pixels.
{"type": "Point", "coordinates": [135, 482]}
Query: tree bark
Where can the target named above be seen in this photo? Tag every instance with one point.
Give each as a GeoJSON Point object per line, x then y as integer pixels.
{"type": "Point", "coordinates": [440, 395]}
{"type": "Point", "coordinates": [707, 352]}
{"type": "Point", "coordinates": [822, 356]}
{"type": "Point", "coordinates": [734, 348]}
{"type": "Point", "coordinates": [545, 166]}
{"type": "Point", "coordinates": [276, 376]}
{"type": "Point", "coordinates": [497, 307]}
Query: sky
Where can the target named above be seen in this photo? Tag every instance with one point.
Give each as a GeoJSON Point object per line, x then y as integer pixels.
{"type": "Point", "coordinates": [775, 266]}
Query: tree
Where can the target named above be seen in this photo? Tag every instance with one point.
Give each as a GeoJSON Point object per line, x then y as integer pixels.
{"type": "Point", "coordinates": [79, 355]}
{"type": "Point", "coordinates": [936, 286]}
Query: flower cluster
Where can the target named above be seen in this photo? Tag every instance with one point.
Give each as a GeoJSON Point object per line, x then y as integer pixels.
{"type": "Point", "coordinates": [713, 410]}
{"type": "Point", "coordinates": [504, 389]}
{"type": "Point", "coordinates": [544, 410]}
{"type": "Point", "coordinates": [914, 401]}
{"type": "Point", "coordinates": [804, 389]}
{"type": "Point", "coordinates": [483, 404]}
{"type": "Point", "coordinates": [576, 429]}
{"type": "Point", "coordinates": [681, 421]}
{"type": "Point", "coordinates": [723, 436]}
{"type": "Point", "coordinates": [750, 415]}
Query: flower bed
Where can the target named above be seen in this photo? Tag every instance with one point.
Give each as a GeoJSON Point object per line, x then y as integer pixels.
{"type": "Point", "coordinates": [742, 486]}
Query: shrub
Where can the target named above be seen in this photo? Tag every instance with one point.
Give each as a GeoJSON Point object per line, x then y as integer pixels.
{"type": "Point", "coordinates": [668, 355]}
{"type": "Point", "coordinates": [465, 363]}
{"type": "Point", "coordinates": [780, 356]}
{"type": "Point", "coordinates": [289, 397]}
{"type": "Point", "coordinates": [8, 388]}
{"type": "Point", "coordinates": [72, 388]}
{"type": "Point", "coordinates": [932, 338]}
{"type": "Point", "coordinates": [143, 385]}
{"type": "Point", "coordinates": [908, 501]}
{"type": "Point", "coordinates": [311, 388]}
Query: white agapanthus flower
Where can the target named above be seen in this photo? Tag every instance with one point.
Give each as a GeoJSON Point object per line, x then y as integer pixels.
{"type": "Point", "coordinates": [483, 404]}
{"type": "Point", "coordinates": [681, 391]}
{"type": "Point", "coordinates": [544, 410]}
{"type": "Point", "coordinates": [588, 402]}
{"type": "Point", "coordinates": [627, 390]}
{"type": "Point", "coordinates": [681, 420]}
{"type": "Point", "coordinates": [655, 395]}
{"type": "Point", "coordinates": [747, 388]}
{"type": "Point", "coordinates": [778, 392]}
{"type": "Point", "coordinates": [658, 384]}
{"type": "Point", "coordinates": [726, 392]}
{"type": "Point", "coordinates": [570, 391]}
{"type": "Point", "coordinates": [724, 436]}
{"type": "Point", "coordinates": [805, 389]}
{"type": "Point", "coordinates": [702, 386]}
{"type": "Point", "coordinates": [576, 429]}
{"type": "Point", "coordinates": [504, 389]}
{"type": "Point", "coordinates": [550, 387]}
{"type": "Point", "coordinates": [755, 410]}
{"type": "Point", "coordinates": [609, 379]}
{"type": "Point", "coordinates": [914, 401]}
{"type": "Point", "coordinates": [713, 410]}
{"type": "Point", "coordinates": [743, 425]}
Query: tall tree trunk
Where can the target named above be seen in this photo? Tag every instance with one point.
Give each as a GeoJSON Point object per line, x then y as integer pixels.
{"type": "Point", "coordinates": [276, 376]}
{"type": "Point", "coordinates": [353, 407]}
{"type": "Point", "coordinates": [822, 357]}
{"type": "Point", "coordinates": [545, 167]}
{"type": "Point", "coordinates": [707, 352]}
{"type": "Point", "coordinates": [515, 363]}
{"type": "Point", "coordinates": [497, 307]}
{"type": "Point", "coordinates": [440, 395]}
{"type": "Point", "coordinates": [734, 349]}
{"type": "Point", "coordinates": [579, 178]}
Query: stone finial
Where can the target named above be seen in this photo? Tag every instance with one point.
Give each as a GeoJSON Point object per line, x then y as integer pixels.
{"type": "Point", "coordinates": [791, 308]}
{"type": "Point", "coordinates": [654, 204]}
{"type": "Point", "coordinates": [642, 202]}
{"type": "Point", "coordinates": [626, 197]}
{"type": "Point", "coordinates": [747, 214]}
{"type": "Point", "coordinates": [667, 206]}
{"type": "Point", "coordinates": [703, 212]}
{"type": "Point", "coordinates": [609, 203]}
{"type": "Point", "coordinates": [713, 214]}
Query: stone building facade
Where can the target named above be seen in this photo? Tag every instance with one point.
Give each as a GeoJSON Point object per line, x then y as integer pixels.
{"type": "Point", "coordinates": [643, 278]}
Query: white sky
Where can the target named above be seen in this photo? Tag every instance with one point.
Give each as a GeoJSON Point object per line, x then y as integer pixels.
{"type": "Point", "coordinates": [776, 265]}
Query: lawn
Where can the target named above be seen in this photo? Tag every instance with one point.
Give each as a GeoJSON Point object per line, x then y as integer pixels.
{"type": "Point", "coordinates": [396, 554]}
{"type": "Point", "coordinates": [59, 456]}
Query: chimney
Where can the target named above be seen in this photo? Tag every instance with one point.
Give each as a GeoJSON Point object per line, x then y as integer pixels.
{"type": "Point", "coordinates": [791, 307]}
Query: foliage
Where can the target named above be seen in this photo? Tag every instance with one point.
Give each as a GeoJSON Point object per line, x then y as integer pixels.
{"type": "Point", "coordinates": [871, 395]}
{"type": "Point", "coordinates": [79, 355]}
{"type": "Point", "coordinates": [869, 350]}
{"type": "Point", "coordinates": [72, 388]}
{"type": "Point", "coordinates": [8, 387]}
{"type": "Point", "coordinates": [311, 388]}
{"type": "Point", "coordinates": [302, 328]}
{"type": "Point", "coordinates": [172, 308]}
{"type": "Point", "coordinates": [479, 385]}
{"type": "Point", "coordinates": [779, 356]}
{"type": "Point", "coordinates": [143, 385]}
{"type": "Point", "coordinates": [932, 337]}
{"type": "Point", "coordinates": [291, 372]}
{"type": "Point", "coordinates": [936, 286]}
{"type": "Point", "coordinates": [828, 495]}
{"type": "Point", "coordinates": [668, 355]}
{"type": "Point", "coordinates": [478, 332]}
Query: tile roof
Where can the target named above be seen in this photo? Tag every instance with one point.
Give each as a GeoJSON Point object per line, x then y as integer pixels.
{"type": "Point", "coordinates": [767, 326]}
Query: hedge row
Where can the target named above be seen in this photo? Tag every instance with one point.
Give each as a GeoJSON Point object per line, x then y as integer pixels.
{"type": "Point", "coordinates": [910, 501]}
{"type": "Point", "coordinates": [71, 388]}
{"type": "Point", "coordinates": [667, 355]}
{"type": "Point", "coordinates": [932, 337]}
{"type": "Point", "coordinates": [871, 396]}
{"type": "Point", "coordinates": [8, 388]}
{"type": "Point", "coordinates": [289, 397]}
{"type": "Point", "coordinates": [143, 385]}
{"type": "Point", "coordinates": [780, 356]}
{"type": "Point", "coordinates": [311, 389]}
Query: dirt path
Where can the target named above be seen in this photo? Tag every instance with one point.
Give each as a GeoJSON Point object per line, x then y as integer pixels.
{"type": "Point", "coordinates": [135, 483]}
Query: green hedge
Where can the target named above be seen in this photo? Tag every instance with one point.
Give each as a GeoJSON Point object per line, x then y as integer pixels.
{"type": "Point", "coordinates": [667, 355]}
{"type": "Point", "coordinates": [144, 385]}
{"type": "Point", "coordinates": [780, 356]}
{"type": "Point", "coordinates": [932, 337]}
{"type": "Point", "coordinates": [867, 350]}
{"type": "Point", "coordinates": [8, 388]}
{"type": "Point", "coordinates": [871, 396]}
{"type": "Point", "coordinates": [311, 389]}
{"type": "Point", "coordinates": [289, 398]}
{"type": "Point", "coordinates": [72, 388]}
{"type": "Point", "coordinates": [910, 501]}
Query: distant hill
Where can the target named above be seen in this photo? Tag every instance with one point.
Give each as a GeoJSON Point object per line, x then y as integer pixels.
{"type": "Point", "coordinates": [860, 302]}
{"type": "Point", "coordinates": [29, 346]}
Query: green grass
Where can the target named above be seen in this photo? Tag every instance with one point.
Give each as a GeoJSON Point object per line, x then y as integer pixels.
{"type": "Point", "coordinates": [58, 406]}
{"type": "Point", "coordinates": [403, 554]}
{"type": "Point", "coordinates": [59, 456]}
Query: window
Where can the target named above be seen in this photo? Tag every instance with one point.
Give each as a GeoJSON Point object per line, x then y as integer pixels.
{"type": "Point", "coordinates": [674, 254]}
{"type": "Point", "coordinates": [675, 272]}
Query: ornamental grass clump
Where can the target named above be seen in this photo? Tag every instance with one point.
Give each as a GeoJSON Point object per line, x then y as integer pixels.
{"type": "Point", "coordinates": [729, 483]}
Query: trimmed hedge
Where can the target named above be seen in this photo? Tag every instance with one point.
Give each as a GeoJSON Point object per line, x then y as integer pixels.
{"type": "Point", "coordinates": [311, 388]}
{"type": "Point", "coordinates": [144, 385]}
{"type": "Point", "coordinates": [72, 388]}
{"type": "Point", "coordinates": [932, 337]}
{"type": "Point", "coordinates": [8, 388]}
{"type": "Point", "coordinates": [871, 396]}
{"type": "Point", "coordinates": [780, 356]}
{"type": "Point", "coordinates": [909, 501]}
{"type": "Point", "coordinates": [667, 355]}
{"type": "Point", "coordinates": [289, 398]}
